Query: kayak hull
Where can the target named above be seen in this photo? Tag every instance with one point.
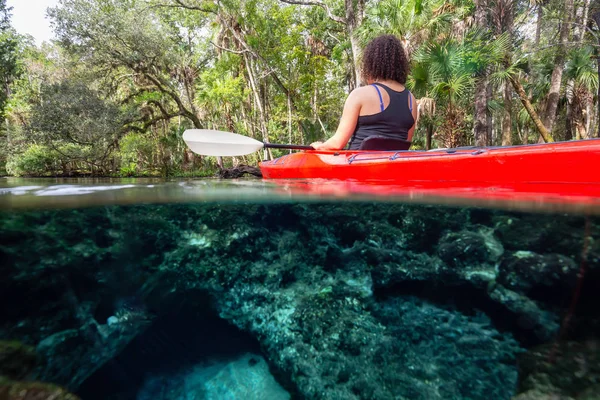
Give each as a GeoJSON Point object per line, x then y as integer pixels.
{"type": "Point", "coordinates": [573, 162]}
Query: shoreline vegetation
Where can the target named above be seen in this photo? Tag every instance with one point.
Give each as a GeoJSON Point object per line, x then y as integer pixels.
{"type": "Point", "coordinates": [113, 93]}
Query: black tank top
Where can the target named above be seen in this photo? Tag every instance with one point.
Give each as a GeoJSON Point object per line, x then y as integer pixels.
{"type": "Point", "coordinates": [394, 121]}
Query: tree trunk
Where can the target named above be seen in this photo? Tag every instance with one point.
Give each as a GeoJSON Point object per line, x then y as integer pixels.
{"type": "Point", "coordinates": [530, 110]}
{"type": "Point", "coordinates": [569, 119]}
{"type": "Point", "coordinates": [504, 19]}
{"type": "Point", "coordinates": [480, 125]}
{"type": "Point", "coordinates": [507, 116]}
{"type": "Point", "coordinates": [596, 18]}
{"type": "Point", "coordinates": [289, 121]}
{"type": "Point", "coordinates": [581, 18]}
{"type": "Point", "coordinates": [480, 117]}
{"type": "Point", "coordinates": [355, 11]}
{"type": "Point", "coordinates": [490, 117]}
{"type": "Point", "coordinates": [538, 26]}
{"type": "Point", "coordinates": [259, 104]}
{"type": "Point", "coordinates": [559, 61]}
{"type": "Point", "coordinates": [588, 118]}
{"type": "Point", "coordinates": [582, 98]}
{"type": "Point", "coordinates": [429, 136]}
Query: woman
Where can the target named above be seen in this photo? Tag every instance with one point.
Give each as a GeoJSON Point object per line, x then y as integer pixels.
{"type": "Point", "coordinates": [384, 107]}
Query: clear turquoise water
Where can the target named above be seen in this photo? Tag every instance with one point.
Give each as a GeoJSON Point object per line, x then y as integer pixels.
{"type": "Point", "coordinates": [20, 193]}
{"type": "Point", "coordinates": [245, 289]}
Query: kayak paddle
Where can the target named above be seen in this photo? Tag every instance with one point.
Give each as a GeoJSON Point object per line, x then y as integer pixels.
{"type": "Point", "coordinates": [208, 142]}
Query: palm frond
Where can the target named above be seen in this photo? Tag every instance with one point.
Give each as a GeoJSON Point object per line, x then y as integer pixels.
{"type": "Point", "coordinates": [501, 75]}
{"type": "Point", "coordinates": [581, 67]}
{"type": "Point", "coordinates": [589, 79]}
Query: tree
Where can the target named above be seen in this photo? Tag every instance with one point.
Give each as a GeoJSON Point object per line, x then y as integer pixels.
{"type": "Point", "coordinates": [503, 21]}
{"type": "Point", "coordinates": [559, 61]}
{"type": "Point", "coordinates": [446, 68]}
{"type": "Point", "coordinates": [78, 125]}
{"type": "Point", "coordinates": [580, 69]}
{"type": "Point", "coordinates": [352, 19]}
{"type": "Point", "coordinates": [480, 125]}
{"type": "Point", "coordinates": [126, 40]}
{"type": "Point", "coordinates": [9, 55]}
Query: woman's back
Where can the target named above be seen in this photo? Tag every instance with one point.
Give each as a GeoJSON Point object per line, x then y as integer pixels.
{"type": "Point", "coordinates": [385, 112]}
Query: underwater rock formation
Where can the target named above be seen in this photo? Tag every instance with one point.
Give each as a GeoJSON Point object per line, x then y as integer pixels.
{"type": "Point", "coordinates": [16, 359]}
{"type": "Point", "coordinates": [352, 300]}
{"type": "Point", "coordinates": [16, 364]}
{"type": "Point", "coordinates": [10, 390]}
{"type": "Point", "coordinates": [565, 370]}
{"type": "Point", "coordinates": [246, 377]}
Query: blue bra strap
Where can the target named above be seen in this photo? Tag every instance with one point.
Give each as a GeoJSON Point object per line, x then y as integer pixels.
{"type": "Point", "coordinates": [380, 98]}
{"type": "Point", "coordinates": [410, 102]}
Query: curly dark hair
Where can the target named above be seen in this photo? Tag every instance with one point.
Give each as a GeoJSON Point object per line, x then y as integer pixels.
{"type": "Point", "coordinates": [385, 58]}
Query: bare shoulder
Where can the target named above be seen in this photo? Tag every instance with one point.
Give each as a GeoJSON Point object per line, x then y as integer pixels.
{"type": "Point", "coordinates": [360, 93]}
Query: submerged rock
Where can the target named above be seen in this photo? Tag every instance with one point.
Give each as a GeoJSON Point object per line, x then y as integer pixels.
{"type": "Point", "coordinates": [334, 344]}
{"type": "Point", "coordinates": [526, 271]}
{"type": "Point", "coordinates": [470, 247]}
{"type": "Point", "coordinates": [324, 288]}
{"type": "Point", "coordinates": [63, 351]}
{"type": "Point", "coordinates": [527, 314]}
{"type": "Point", "coordinates": [16, 359]}
{"type": "Point", "coordinates": [439, 351]}
{"type": "Point", "coordinates": [10, 390]}
{"type": "Point", "coordinates": [247, 377]}
{"type": "Point", "coordinates": [563, 370]}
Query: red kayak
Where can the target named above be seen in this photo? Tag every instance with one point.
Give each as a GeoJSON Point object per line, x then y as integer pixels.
{"type": "Point", "coordinates": [573, 162]}
{"type": "Point", "coordinates": [557, 176]}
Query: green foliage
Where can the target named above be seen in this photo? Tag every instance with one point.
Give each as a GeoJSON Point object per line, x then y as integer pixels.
{"type": "Point", "coordinates": [10, 48]}
{"type": "Point", "coordinates": [135, 153]}
{"type": "Point", "coordinates": [71, 112]}
{"type": "Point", "coordinates": [582, 68]}
{"type": "Point", "coordinates": [37, 160]}
{"type": "Point", "coordinates": [74, 121]}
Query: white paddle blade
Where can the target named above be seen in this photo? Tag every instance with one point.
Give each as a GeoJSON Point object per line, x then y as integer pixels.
{"type": "Point", "coordinates": [208, 142]}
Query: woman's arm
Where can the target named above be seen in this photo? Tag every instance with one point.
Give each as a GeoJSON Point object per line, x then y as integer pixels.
{"type": "Point", "coordinates": [415, 114]}
{"type": "Point", "coordinates": [346, 127]}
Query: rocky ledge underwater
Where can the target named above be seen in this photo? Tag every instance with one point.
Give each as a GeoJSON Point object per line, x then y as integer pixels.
{"type": "Point", "coordinates": [298, 300]}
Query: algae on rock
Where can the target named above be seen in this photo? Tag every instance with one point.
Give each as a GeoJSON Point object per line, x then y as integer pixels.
{"type": "Point", "coordinates": [349, 300]}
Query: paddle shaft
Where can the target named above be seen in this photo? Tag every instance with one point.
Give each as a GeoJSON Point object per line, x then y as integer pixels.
{"type": "Point", "coordinates": [287, 146]}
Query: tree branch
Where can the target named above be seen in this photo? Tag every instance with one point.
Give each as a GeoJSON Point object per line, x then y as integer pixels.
{"type": "Point", "coordinates": [229, 50]}
{"type": "Point", "coordinates": [162, 108]}
{"type": "Point", "coordinates": [319, 4]}
{"type": "Point", "coordinates": [182, 4]}
{"type": "Point", "coordinates": [184, 112]}
{"type": "Point", "coordinates": [136, 93]}
{"type": "Point", "coordinates": [189, 7]}
{"type": "Point", "coordinates": [127, 127]}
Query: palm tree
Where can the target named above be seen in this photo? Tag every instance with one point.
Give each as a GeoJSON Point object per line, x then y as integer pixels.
{"type": "Point", "coordinates": [414, 21]}
{"type": "Point", "coordinates": [444, 72]}
{"type": "Point", "coordinates": [581, 69]}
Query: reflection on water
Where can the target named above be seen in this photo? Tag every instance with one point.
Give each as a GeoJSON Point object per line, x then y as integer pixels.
{"type": "Point", "coordinates": [142, 289]}
{"type": "Point", "coordinates": [17, 193]}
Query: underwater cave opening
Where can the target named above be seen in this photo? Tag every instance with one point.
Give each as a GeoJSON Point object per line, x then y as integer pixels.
{"type": "Point", "coordinates": [186, 334]}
